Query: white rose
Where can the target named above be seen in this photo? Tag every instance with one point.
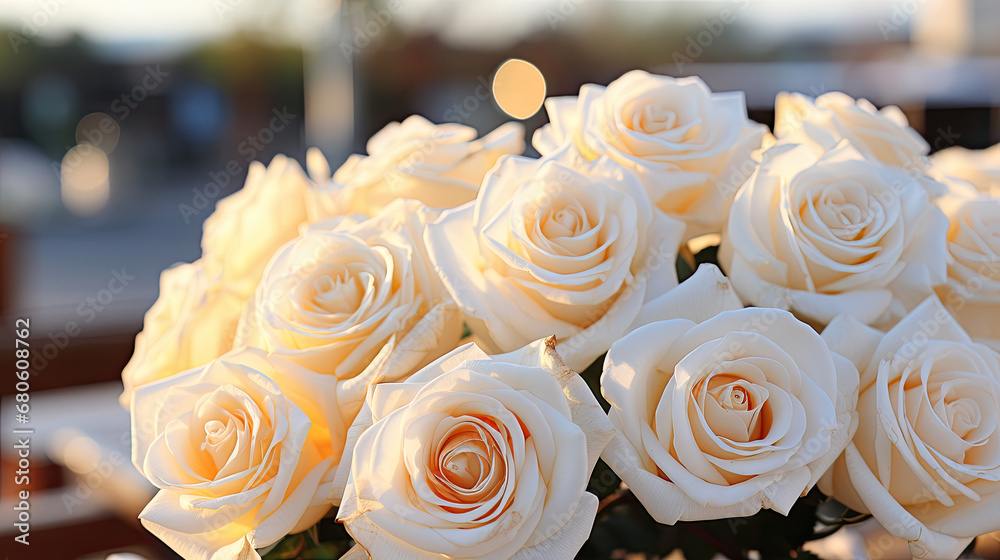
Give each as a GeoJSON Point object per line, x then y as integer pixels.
{"type": "Point", "coordinates": [972, 293]}
{"type": "Point", "coordinates": [477, 456]}
{"type": "Point", "coordinates": [831, 234]}
{"type": "Point", "coordinates": [355, 298]}
{"type": "Point", "coordinates": [720, 416]}
{"type": "Point", "coordinates": [248, 226]}
{"type": "Point", "coordinates": [926, 457]}
{"type": "Point", "coordinates": [557, 246]}
{"type": "Point", "coordinates": [440, 165]}
{"type": "Point", "coordinates": [691, 147]}
{"type": "Point", "coordinates": [979, 167]}
{"type": "Point", "coordinates": [240, 451]}
{"type": "Point", "coordinates": [192, 322]}
{"type": "Point", "coordinates": [822, 123]}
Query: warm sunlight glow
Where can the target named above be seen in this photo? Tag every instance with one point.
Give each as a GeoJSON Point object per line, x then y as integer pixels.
{"type": "Point", "coordinates": [85, 186]}
{"type": "Point", "coordinates": [519, 88]}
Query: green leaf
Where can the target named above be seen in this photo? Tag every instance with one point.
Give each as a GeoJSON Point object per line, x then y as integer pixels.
{"type": "Point", "coordinates": [324, 541]}
{"type": "Point", "coordinates": [327, 551]}
{"type": "Point", "coordinates": [288, 548]}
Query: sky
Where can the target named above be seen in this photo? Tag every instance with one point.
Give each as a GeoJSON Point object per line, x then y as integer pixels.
{"type": "Point", "coordinates": [127, 23]}
{"type": "Point", "coordinates": [478, 23]}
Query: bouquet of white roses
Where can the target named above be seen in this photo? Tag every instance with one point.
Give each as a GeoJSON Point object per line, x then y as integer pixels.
{"type": "Point", "coordinates": [393, 349]}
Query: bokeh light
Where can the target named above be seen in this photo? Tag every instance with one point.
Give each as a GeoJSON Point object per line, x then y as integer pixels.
{"type": "Point", "coordinates": [100, 130]}
{"type": "Point", "coordinates": [519, 88]}
{"type": "Point", "coordinates": [82, 454]}
{"type": "Point", "coordinates": [85, 180]}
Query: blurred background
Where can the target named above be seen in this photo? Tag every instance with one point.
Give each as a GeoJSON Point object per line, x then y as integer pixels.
{"type": "Point", "coordinates": [123, 122]}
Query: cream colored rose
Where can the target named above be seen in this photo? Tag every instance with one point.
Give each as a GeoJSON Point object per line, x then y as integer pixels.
{"type": "Point", "coordinates": [441, 165]}
{"type": "Point", "coordinates": [972, 293]}
{"type": "Point", "coordinates": [195, 317]}
{"type": "Point", "coordinates": [248, 226]}
{"type": "Point", "coordinates": [355, 298]}
{"type": "Point", "coordinates": [557, 246]}
{"type": "Point", "coordinates": [979, 167]}
{"type": "Point", "coordinates": [822, 123]}
{"type": "Point", "coordinates": [926, 457]}
{"type": "Point", "coordinates": [691, 147]}
{"type": "Point", "coordinates": [240, 451]}
{"type": "Point", "coordinates": [192, 322]}
{"type": "Point", "coordinates": [476, 457]}
{"type": "Point", "coordinates": [720, 416]}
{"type": "Point", "coordinates": [831, 234]}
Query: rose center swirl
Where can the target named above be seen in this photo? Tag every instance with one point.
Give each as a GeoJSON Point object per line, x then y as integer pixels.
{"type": "Point", "coordinates": [228, 420]}
{"type": "Point", "coordinates": [567, 222]}
{"type": "Point", "coordinates": [845, 209]}
{"type": "Point", "coordinates": [337, 291]}
{"type": "Point", "coordinates": [656, 118]}
{"type": "Point", "coordinates": [471, 461]}
{"type": "Point", "coordinates": [563, 225]}
{"type": "Point", "coordinates": [734, 407]}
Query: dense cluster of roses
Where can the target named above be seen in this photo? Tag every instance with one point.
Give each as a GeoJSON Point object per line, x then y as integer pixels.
{"type": "Point", "coordinates": [313, 357]}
